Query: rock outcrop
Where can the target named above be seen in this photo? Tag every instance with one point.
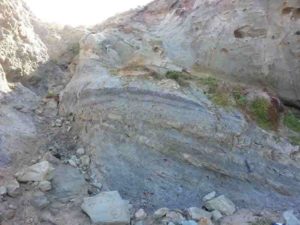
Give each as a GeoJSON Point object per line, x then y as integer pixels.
{"type": "Point", "coordinates": [21, 50]}
{"type": "Point", "coordinates": [251, 41]}
{"type": "Point", "coordinates": [164, 104]}
{"type": "Point", "coordinates": [131, 115]}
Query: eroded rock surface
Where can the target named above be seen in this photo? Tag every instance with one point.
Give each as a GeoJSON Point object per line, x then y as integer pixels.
{"type": "Point", "coordinates": [109, 113]}
{"type": "Point", "coordinates": [130, 121]}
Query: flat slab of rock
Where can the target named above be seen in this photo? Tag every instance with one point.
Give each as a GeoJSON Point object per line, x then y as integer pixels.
{"type": "Point", "coordinates": [290, 218]}
{"type": "Point", "coordinates": [197, 213]}
{"type": "Point", "coordinates": [37, 172]}
{"type": "Point", "coordinates": [222, 204]}
{"type": "Point", "coordinates": [107, 208]}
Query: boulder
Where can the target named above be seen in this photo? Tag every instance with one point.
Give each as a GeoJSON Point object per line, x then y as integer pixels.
{"type": "Point", "coordinates": [68, 183]}
{"type": "Point", "coordinates": [37, 172]}
{"type": "Point", "coordinates": [222, 204]}
{"type": "Point", "coordinates": [107, 208]}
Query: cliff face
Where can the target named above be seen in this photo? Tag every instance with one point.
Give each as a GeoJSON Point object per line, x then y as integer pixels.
{"type": "Point", "coordinates": [132, 113]}
{"type": "Point", "coordinates": [248, 41]}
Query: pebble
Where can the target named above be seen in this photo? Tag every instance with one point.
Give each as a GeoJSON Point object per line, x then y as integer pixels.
{"type": "Point", "coordinates": [73, 161]}
{"type": "Point", "coordinates": [85, 160]}
{"type": "Point", "coordinates": [205, 221]}
{"type": "Point", "coordinates": [80, 151]}
{"type": "Point", "coordinates": [160, 213]}
{"type": "Point", "coordinates": [140, 214]}
{"type": "Point", "coordinates": [45, 186]}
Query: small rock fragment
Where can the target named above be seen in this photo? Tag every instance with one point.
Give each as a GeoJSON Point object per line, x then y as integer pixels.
{"type": "Point", "coordinates": [140, 214]}
{"type": "Point", "coordinates": [3, 190]}
{"type": "Point", "coordinates": [222, 204]}
{"type": "Point", "coordinates": [205, 221]}
{"type": "Point", "coordinates": [175, 217]}
{"type": "Point", "coordinates": [107, 208]}
{"type": "Point", "coordinates": [160, 213]}
{"type": "Point", "coordinates": [85, 160]}
{"type": "Point", "coordinates": [97, 185]}
{"type": "Point", "coordinates": [58, 122]}
{"type": "Point", "coordinates": [45, 186]}
{"type": "Point", "coordinates": [37, 172]}
{"type": "Point", "coordinates": [216, 215]}
{"type": "Point", "coordinates": [290, 218]}
{"type": "Point", "coordinates": [40, 201]}
{"type": "Point", "coordinates": [80, 151]}
{"type": "Point", "coordinates": [209, 196]}
{"type": "Point", "coordinates": [197, 213]}
{"type": "Point", "coordinates": [13, 188]}
{"type": "Point", "coordinates": [73, 161]}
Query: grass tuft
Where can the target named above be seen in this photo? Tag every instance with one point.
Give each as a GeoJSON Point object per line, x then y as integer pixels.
{"type": "Point", "coordinates": [292, 122]}
{"type": "Point", "coordinates": [262, 112]}
{"type": "Point", "coordinates": [174, 75]}
{"type": "Point", "coordinates": [294, 140]}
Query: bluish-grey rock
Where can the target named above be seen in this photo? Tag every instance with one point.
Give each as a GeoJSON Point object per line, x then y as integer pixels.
{"type": "Point", "coordinates": [107, 208]}
{"type": "Point", "coordinates": [290, 218]}
{"type": "Point", "coordinates": [222, 204]}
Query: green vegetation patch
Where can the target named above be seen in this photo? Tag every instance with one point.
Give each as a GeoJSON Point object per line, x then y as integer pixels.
{"type": "Point", "coordinates": [262, 221]}
{"type": "Point", "coordinates": [294, 140]}
{"type": "Point", "coordinates": [239, 97]}
{"type": "Point", "coordinates": [174, 75]}
{"type": "Point", "coordinates": [292, 122]}
{"type": "Point", "coordinates": [52, 95]}
{"type": "Point", "coordinates": [211, 82]}
{"type": "Point", "coordinates": [264, 113]}
{"type": "Point", "coordinates": [221, 99]}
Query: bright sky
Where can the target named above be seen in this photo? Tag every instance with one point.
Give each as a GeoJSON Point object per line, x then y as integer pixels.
{"type": "Point", "coordinates": [80, 12]}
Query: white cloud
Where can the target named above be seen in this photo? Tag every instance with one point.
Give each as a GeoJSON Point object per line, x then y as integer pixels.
{"type": "Point", "coordinates": [80, 12]}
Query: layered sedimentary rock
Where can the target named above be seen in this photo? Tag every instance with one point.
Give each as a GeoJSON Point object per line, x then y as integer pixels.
{"type": "Point", "coordinates": [251, 41]}
{"type": "Point", "coordinates": [156, 141]}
